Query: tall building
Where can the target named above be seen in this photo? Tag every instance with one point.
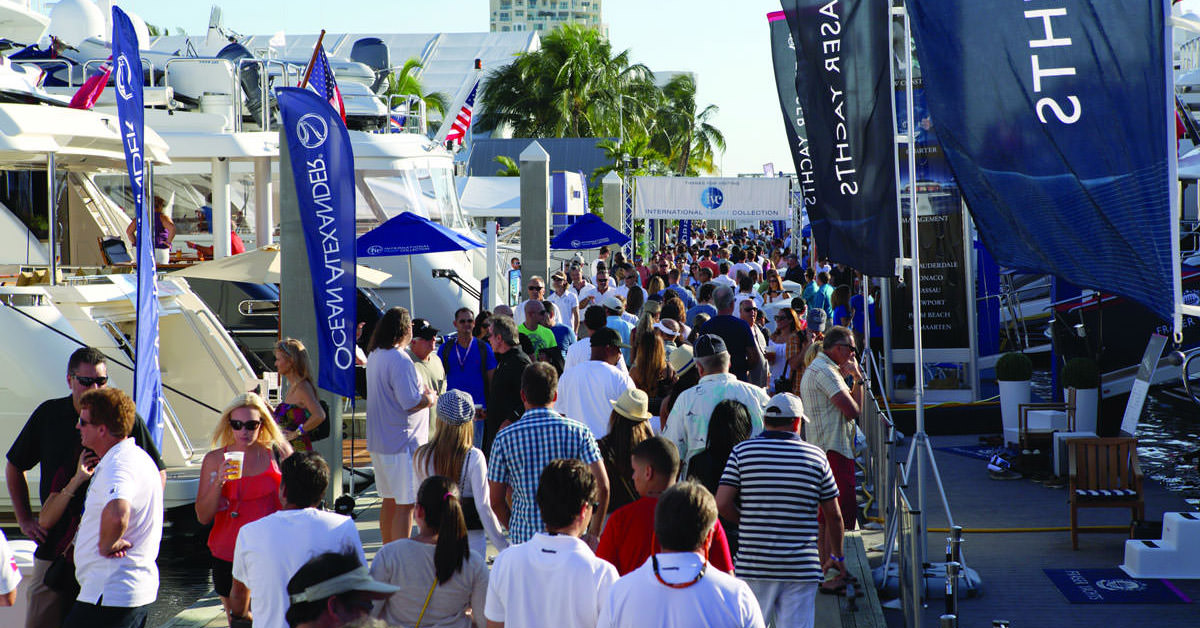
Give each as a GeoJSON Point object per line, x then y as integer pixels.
{"type": "Point", "coordinates": [544, 15]}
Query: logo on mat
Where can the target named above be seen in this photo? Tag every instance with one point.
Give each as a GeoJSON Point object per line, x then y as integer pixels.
{"type": "Point", "coordinates": [124, 78]}
{"type": "Point", "coordinates": [1120, 584]}
{"type": "Point", "coordinates": [311, 130]}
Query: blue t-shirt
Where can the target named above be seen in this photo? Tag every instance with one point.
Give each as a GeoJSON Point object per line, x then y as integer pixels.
{"type": "Point", "coordinates": [463, 370]}
{"type": "Point", "coordinates": [840, 313]}
{"type": "Point", "coordinates": [565, 337]}
{"type": "Point", "coordinates": [858, 326]}
{"type": "Point", "coordinates": [703, 308]}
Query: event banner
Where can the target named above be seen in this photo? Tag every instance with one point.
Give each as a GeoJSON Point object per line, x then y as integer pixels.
{"type": "Point", "coordinates": [323, 169]}
{"type": "Point", "coordinates": [783, 55]}
{"type": "Point", "coordinates": [944, 289]}
{"type": "Point", "coordinates": [128, 80]}
{"type": "Point", "coordinates": [685, 232]}
{"type": "Point", "coordinates": [843, 79]}
{"type": "Point", "coordinates": [1053, 116]}
{"type": "Point", "coordinates": [711, 198]}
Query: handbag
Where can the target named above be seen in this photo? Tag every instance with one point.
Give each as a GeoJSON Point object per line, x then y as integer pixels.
{"type": "Point", "coordinates": [783, 383]}
{"type": "Point", "coordinates": [60, 575]}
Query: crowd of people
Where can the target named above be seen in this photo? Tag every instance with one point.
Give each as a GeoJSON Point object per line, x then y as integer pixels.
{"type": "Point", "coordinates": [666, 442]}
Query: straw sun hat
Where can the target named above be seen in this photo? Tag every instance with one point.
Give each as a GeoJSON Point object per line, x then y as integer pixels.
{"type": "Point", "coordinates": [632, 405]}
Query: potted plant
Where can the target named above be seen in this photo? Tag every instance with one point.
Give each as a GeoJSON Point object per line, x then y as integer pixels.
{"type": "Point", "coordinates": [1083, 374]}
{"type": "Point", "coordinates": [1014, 370]}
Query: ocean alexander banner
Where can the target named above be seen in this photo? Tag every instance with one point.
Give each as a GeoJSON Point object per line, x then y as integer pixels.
{"type": "Point", "coordinates": [323, 169]}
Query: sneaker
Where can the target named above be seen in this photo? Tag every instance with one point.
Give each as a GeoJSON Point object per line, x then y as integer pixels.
{"type": "Point", "coordinates": [1004, 475]}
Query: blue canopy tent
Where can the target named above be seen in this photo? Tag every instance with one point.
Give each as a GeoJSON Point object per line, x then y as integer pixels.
{"type": "Point", "coordinates": [409, 234]}
{"type": "Point", "coordinates": [589, 232]}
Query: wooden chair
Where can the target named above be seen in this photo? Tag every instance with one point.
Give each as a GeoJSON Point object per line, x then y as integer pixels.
{"type": "Point", "coordinates": [1104, 474]}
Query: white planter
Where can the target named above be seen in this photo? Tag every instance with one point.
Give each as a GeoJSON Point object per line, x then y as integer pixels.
{"type": "Point", "coordinates": [1013, 394]}
{"type": "Point", "coordinates": [1087, 408]}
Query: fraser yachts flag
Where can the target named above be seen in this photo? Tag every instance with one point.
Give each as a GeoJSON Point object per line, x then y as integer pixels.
{"type": "Point", "coordinates": [323, 170]}
{"type": "Point", "coordinates": [147, 378]}
{"type": "Point", "coordinates": [843, 80]}
{"type": "Point", "coordinates": [462, 123]}
{"type": "Point", "coordinates": [1033, 103]}
{"type": "Point", "coordinates": [783, 55]}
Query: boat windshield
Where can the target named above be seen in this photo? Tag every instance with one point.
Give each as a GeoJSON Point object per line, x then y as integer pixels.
{"type": "Point", "coordinates": [426, 192]}
{"type": "Point", "coordinates": [189, 201]}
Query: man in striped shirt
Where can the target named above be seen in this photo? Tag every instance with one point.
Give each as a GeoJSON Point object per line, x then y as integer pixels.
{"type": "Point", "coordinates": [772, 487]}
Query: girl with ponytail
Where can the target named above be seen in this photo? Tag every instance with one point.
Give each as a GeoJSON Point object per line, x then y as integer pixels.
{"type": "Point", "coordinates": [439, 576]}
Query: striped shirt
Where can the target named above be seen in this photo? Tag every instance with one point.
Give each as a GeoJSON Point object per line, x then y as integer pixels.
{"type": "Point", "coordinates": [781, 481]}
{"type": "Point", "coordinates": [523, 449]}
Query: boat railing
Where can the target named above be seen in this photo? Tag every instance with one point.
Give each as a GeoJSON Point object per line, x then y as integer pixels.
{"type": "Point", "coordinates": [234, 85]}
{"type": "Point", "coordinates": [1189, 54]}
{"type": "Point", "coordinates": [50, 62]}
{"type": "Point", "coordinates": [412, 123]}
{"type": "Point", "coordinates": [146, 63]}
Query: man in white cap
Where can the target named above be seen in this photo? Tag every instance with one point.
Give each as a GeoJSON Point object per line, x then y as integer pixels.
{"type": "Point", "coordinates": [585, 389]}
{"type": "Point", "coordinates": [687, 425]}
{"type": "Point", "coordinates": [332, 590]}
{"type": "Point", "coordinates": [777, 551]}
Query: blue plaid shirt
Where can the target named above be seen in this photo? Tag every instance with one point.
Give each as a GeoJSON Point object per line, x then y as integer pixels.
{"type": "Point", "coordinates": [523, 449]}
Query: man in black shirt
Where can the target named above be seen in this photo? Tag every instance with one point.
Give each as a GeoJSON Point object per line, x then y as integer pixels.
{"type": "Point", "coordinates": [504, 399]}
{"type": "Point", "coordinates": [739, 339]}
{"type": "Point", "coordinates": [50, 439]}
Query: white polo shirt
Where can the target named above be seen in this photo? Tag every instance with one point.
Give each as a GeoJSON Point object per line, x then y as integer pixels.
{"type": "Point", "coordinates": [10, 574]}
{"type": "Point", "coordinates": [585, 391]}
{"type": "Point", "coordinates": [124, 472]}
{"type": "Point", "coordinates": [548, 581]}
{"type": "Point", "coordinates": [717, 599]}
{"type": "Point", "coordinates": [271, 550]}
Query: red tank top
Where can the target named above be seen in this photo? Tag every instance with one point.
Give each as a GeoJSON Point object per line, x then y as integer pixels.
{"type": "Point", "coordinates": [243, 500]}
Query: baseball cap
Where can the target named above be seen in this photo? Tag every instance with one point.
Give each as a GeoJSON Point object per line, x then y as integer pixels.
{"type": "Point", "coordinates": [455, 407]}
{"type": "Point", "coordinates": [607, 337]}
{"type": "Point", "coordinates": [816, 319]}
{"type": "Point", "coordinates": [611, 302]}
{"type": "Point", "coordinates": [423, 330]}
{"type": "Point", "coordinates": [709, 345]}
{"type": "Point", "coordinates": [358, 579]}
{"type": "Point", "coordinates": [784, 406]}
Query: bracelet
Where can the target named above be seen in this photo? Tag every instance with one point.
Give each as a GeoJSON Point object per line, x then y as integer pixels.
{"type": "Point", "coordinates": [838, 559]}
{"type": "Point", "coordinates": [300, 429]}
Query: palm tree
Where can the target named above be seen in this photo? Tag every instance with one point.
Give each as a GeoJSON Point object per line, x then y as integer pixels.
{"type": "Point", "coordinates": [574, 86]}
{"type": "Point", "coordinates": [687, 137]}
{"type": "Point", "coordinates": [509, 167]}
{"type": "Point", "coordinates": [406, 82]}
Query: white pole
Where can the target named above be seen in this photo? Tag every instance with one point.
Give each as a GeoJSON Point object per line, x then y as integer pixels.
{"type": "Point", "coordinates": [51, 230]}
{"type": "Point", "coordinates": [264, 223]}
{"type": "Point", "coordinates": [408, 258]}
{"type": "Point", "coordinates": [220, 206]}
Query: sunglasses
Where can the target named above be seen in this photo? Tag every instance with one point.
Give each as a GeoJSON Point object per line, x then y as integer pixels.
{"type": "Point", "coordinates": [465, 321]}
{"type": "Point", "coordinates": [537, 287]}
{"type": "Point", "coordinates": [90, 381]}
{"type": "Point", "coordinates": [82, 422]}
{"type": "Point", "coordinates": [244, 425]}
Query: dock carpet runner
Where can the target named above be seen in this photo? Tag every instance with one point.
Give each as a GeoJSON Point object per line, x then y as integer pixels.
{"type": "Point", "coordinates": [979, 452]}
{"type": "Point", "coordinates": [1113, 586]}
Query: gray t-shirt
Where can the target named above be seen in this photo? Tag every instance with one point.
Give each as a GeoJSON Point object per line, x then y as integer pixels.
{"type": "Point", "coordinates": [408, 564]}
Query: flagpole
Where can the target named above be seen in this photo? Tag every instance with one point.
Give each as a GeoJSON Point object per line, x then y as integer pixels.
{"type": "Point", "coordinates": [311, 60]}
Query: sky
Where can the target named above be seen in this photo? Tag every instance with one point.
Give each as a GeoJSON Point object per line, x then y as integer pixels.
{"type": "Point", "coordinates": [725, 44]}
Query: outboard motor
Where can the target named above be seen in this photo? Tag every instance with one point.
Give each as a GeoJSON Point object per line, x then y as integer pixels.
{"type": "Point", "coordinates": [250, 76]}
{"type": "Point", "coordinates": [372, 52]}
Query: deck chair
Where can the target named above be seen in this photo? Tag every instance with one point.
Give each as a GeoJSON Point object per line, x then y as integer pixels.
{"type": "Point", "coordinates": [114, 251]}
{"type": "Point", "coordinates": [1104, 473]}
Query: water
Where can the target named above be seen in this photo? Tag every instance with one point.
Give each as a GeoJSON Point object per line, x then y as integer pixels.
{"type": "Point", "coordinates": [1168, 431]}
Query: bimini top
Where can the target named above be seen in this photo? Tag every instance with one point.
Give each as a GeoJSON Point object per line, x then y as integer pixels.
{"type": "Point", "coordinates": [80, 140]}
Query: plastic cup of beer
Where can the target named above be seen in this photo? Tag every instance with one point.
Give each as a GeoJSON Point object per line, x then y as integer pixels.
{"type": "Point", "coordinates": [235, 458]}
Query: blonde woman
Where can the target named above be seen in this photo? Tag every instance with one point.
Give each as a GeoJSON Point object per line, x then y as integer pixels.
{"type": "Point", "coordinates": [233, 494]}
{"type": "Point", "coordinates": [450, 454]}
{"type": "Point", "coordinates": [300, 412]}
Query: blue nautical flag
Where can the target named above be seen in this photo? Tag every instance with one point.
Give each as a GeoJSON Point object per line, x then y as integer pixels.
{"type": "Point", "coordinates": [128, 80]}
{"type": "Point", "coordinates": [1054, 119]}
{"type": "Point", "coordinates": [323, 170]}
{"type": "Point", "coordinates": [685, 232]}
{"type": "Point", "coordinates": [780, 228]}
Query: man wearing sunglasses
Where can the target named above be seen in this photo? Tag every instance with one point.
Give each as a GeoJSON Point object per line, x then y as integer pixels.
{"type": "Point", "coordinates": [535, 292]}
{"type": "Point", "coordinates": [50, 439]}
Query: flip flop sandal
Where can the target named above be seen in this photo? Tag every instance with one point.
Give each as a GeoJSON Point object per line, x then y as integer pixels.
{"type": "Point", "coordinates": [836, 586]}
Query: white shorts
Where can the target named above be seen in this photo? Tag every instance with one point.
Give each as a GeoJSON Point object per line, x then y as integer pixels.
{"type": "Point", "coordinates": [787, 603]}
{"type": "Point", "coordinates": [162, 256]}
{"type": "Point", "coordinates": [395, 477]}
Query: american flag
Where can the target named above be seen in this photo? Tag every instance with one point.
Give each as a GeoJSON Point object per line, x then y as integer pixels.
{"type": "Point", "coordinates": [396, 122]}
{"type": "Point", "coordinates": [321, 81]}
{"type": "Point", "coordinates": [462, 123]}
